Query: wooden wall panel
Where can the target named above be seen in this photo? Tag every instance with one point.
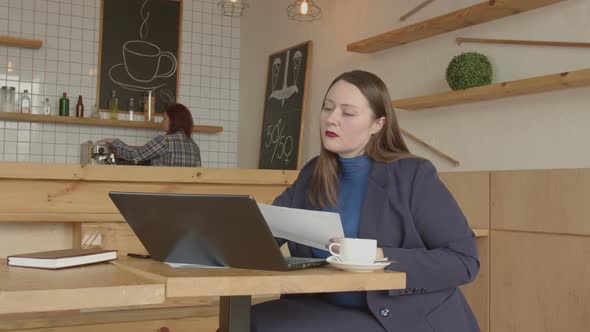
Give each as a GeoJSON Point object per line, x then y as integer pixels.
{"type": "Point", "coordinates": [478, 292]}
{"type": "Point", "coordinates": [553, 201]}
{"type": "Point", "coordinates": [539, 282]}
{"type": "Point", "coordinates": [472, 191]}
{"type": "Point", "coordinates": [18, 238]}
{"type": "Point", "coordinates": [117, 236]}
{"type": "Point", "coordinates": [51, 197]}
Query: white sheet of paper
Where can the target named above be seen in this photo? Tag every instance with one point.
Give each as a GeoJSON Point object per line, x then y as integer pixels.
{"type": "Point", "coordinates": [309, 227]}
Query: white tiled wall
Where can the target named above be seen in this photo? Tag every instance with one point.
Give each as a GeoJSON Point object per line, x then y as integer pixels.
{"type": "Point", "coordinates": [209, 77]}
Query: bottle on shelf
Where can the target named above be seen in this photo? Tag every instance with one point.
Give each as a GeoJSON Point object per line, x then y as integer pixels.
{"type": "Point", "coordinates": [9, 100]}
{"type": "Point", "coordinates": [25, 103]}
{"type": "Point", "coordinates": [114, 106]}
{"type": "Point", "coordinates": [149, 105]}
{"type": "Point", "coordinates": [3, 99]}
{"type": "Point", "coordinates": [80, 108]}
{"type": "Point", "coordinates": [131, 109]}
{"type": "Point", "coordinates": [64, 105]}
{"type": "Point", "coordinates": [95, 114]}
{"type": "Point", "coordinates": [46, 107]}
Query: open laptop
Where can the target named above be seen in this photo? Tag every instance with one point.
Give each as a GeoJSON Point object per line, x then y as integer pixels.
{"type": "Point", "coordinates": [219, 230]}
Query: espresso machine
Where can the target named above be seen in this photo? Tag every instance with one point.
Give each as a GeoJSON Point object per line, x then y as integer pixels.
{"type": "Point", "coordinates": [96, 154]}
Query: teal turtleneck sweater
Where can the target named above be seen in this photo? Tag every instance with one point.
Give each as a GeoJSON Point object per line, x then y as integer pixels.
{"type": "Point", "coordinates": [353, 177]}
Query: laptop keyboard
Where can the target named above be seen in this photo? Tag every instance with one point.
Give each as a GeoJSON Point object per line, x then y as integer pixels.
{"type": "Point", "coordinates": [304, 262]}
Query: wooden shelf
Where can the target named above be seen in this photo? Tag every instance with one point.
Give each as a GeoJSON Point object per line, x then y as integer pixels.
{"type": "Point", "coordinates": [476, 14]}
{"type": "Point", "coordinates": [97, 122]}
{"type": "Point", "coordinates": [537, 84]}
{"type": "Point", "coordinates": [461, 40]}
{"type": "Point", "coordinates": [20, 42]}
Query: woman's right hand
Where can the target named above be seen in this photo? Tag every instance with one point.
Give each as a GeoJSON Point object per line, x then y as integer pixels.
{"type": "Point", "coordinates": [336, 249]}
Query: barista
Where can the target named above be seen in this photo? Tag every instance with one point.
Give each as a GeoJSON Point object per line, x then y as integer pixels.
{"type": "Point", "coordinates": [175, 148]}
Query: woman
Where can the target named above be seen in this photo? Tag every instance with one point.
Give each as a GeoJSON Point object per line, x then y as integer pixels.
{"type": "Point", "coordinates": [366, 173]}
{"type": "Point", "coordinates": [176, 148]}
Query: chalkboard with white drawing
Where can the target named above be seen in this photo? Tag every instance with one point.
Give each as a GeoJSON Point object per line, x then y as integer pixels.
{"type": "Point", "coordinates": [139, 48]}
{"type": "Point", "coordinates": [284, 107]}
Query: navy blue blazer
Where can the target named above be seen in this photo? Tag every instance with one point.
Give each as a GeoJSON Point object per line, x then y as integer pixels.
{"type": "Point", "coordinates": [417, 223]}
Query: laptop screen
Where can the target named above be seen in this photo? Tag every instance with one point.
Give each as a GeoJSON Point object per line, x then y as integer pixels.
{"type": "Point", "coordinates": [208, 229]}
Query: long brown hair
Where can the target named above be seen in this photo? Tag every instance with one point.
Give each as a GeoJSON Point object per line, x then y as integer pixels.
{"type": "Point", "coordinates": [385, 146]}
{"type": "Point", "coordinates": [180, 119]}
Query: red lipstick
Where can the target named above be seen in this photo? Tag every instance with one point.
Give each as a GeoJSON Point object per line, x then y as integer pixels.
{"type": "Point", "coordinates": [331, 134]}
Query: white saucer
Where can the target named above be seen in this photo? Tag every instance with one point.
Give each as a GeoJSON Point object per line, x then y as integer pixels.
{"type": "Point", "coordinates": [333, 260]}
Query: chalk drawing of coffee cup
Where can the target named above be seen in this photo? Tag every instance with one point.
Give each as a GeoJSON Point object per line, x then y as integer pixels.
{"type": "Point", "coordinates": [143, 61]}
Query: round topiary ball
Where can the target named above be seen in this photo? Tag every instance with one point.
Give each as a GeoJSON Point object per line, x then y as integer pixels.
{"type": "Point", "coordinates": [468, 70]}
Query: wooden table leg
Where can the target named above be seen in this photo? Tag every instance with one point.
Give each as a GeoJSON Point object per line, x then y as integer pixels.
{"type": "Point", "coordinates": [234, 313]}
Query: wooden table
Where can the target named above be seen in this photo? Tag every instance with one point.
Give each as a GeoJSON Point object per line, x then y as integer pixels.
{"type": "Point", "coordinates": [131, 282]}
{"type": "Point", "coordinates": [235, 287]}
{"type": "Point", "coordinates": [24, 290]}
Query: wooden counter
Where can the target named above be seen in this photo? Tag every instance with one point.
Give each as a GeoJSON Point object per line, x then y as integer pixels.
{"type": "Point", "coordinates": [42, 192]}
{"type": "Point", "coordinates": [69, 193]}
{"type": "Point", "coordinates": [37, 192]}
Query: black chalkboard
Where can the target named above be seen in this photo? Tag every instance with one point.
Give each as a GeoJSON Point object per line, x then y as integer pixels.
{"type": "Point", "coordinates": [284, 108]}
{"type": "Point", "coordinates": [139, 47]}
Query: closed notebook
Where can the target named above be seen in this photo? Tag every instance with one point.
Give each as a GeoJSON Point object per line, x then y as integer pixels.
{"type": "Point", "coordinates": [58, 259]}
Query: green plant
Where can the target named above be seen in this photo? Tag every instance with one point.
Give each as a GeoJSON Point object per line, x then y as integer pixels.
{"type": "Point", "coordinates": [468, 70]}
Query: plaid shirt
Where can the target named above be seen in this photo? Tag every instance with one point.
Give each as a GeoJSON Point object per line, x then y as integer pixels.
{"type": "Point", "coordinates": [165, 150]}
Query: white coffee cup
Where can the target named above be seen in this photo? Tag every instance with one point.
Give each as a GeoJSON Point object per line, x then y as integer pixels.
{"type": "Point", "coordinates": [356, 251]}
